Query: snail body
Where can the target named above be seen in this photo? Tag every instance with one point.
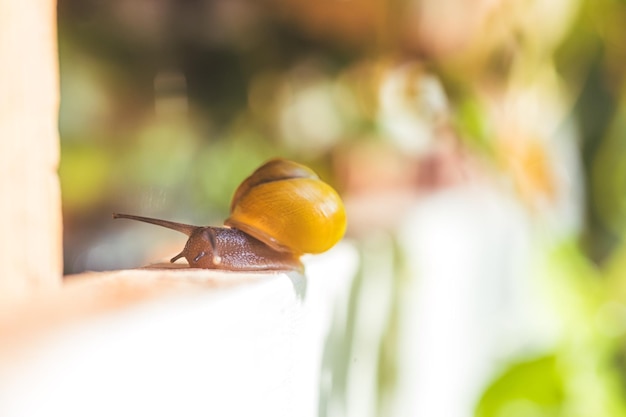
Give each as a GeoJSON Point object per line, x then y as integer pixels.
{"type": "Point", "coordinates": [280, 212]}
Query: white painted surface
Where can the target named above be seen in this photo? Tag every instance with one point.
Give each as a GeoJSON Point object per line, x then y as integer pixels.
{"type": "Point", "coordinates": [251, 350]}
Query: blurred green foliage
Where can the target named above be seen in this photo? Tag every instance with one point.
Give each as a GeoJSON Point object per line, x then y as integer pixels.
{"type": "Point", "coordinates": [530, 388]}
{"type": "Point", "coordinates": [580, 377]}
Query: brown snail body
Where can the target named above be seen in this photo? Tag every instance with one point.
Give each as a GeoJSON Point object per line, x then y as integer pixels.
{"type": "Point", "coordinates": [281, 211]}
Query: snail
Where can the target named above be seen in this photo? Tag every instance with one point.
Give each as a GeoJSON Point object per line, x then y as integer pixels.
{"type": "Point", "coordinates": [282, 211]}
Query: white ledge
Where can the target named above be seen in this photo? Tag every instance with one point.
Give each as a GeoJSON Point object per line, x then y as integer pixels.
{"type": "Point", "coordinates": [175, 342]}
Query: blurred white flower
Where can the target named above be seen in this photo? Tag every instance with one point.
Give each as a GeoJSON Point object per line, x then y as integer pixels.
{"type": "Point", "coordinates": [413, 104]}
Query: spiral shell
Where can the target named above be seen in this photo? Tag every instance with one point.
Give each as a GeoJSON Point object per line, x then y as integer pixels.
{"type": "Point", "coordinates": [287, 206]}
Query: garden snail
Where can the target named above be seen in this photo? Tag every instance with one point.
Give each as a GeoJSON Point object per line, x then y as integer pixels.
{"type": "Point", "coordinates": [280, 212]}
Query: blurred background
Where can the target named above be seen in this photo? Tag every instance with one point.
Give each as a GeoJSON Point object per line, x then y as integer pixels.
{"type": "Point", "coordinates": [480, 147]}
